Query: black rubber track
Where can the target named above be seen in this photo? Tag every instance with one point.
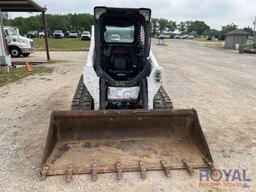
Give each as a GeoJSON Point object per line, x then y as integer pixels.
{"type": "Point", "coordinates": [162, 100]}
{"type": "Point", "coordinates": [82, 99]}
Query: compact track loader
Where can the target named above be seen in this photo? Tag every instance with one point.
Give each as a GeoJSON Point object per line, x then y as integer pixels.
{"type": "Point", "coordinates": [121, 118]}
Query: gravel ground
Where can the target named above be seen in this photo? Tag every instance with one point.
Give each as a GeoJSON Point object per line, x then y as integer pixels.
{"type": "Point", "coordinates": [219, 84]}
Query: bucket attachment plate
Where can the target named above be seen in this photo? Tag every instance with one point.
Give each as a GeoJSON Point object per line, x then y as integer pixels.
{"type": "Point", "coordinates": [95, 142]}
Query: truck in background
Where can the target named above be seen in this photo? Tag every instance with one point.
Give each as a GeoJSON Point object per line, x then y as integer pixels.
{"type": "Point", "coordinates": [86, 35]}
{"type": "Point", "coordinates": [18, 45]}
{"type": "Point", "coordinates": [58, 34]}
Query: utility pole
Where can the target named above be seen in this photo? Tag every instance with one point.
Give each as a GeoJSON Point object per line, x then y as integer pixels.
{"type": "Point", "coordinates": [2, 43]}
{"type": "Point", "coordinates": [5, 58]}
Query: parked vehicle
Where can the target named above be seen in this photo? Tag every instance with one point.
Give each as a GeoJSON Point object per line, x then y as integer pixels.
{"type": "Point", "coordinates": [177, 36]}
{"type": "Point", "coordinates": [161, 36]}
{"type": "Point", "coordinates": [115, 38]}
{"type": "Point", "coordinates": [250, 38]}
{"type": "Point", "coordinates": [58, 34]}
{"type": "Point", "coordinates": [166, 36]}
{"type": "Point", "coordinates": [191, 37]}
{"type": "Point", "coordinates": [172, 36]}
{"type": "Point", "coordinates": [32, 34]}
{"type": "Point", "coordinates": [73, 34]}
{"type": "Point", "coordinates": [17, 44]}
{"type": "Point", "coordinates": [41, 34]}
{"type": "Point", "coordinates": [66, 34]}
{"type": "Point", "coordinates": [184, 37]}
{"type": "Point", "coordinates": [86, 35]}
{"type": "Point", "coordinates": [209, 38]}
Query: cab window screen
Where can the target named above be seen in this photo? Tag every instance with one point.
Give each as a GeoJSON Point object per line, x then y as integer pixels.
{"type": "Point", "coordinates": [115, 34]}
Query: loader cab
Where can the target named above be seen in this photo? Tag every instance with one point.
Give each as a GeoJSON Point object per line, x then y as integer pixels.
{"type": "Point", "coordinates": [119, 58]}
{"type": "Point", "coordinates": [122, 41]}
{"type": "Point", "coordinates": [122, 46]}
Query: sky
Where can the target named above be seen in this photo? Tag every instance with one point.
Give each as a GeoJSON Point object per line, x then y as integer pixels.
{"type": "Point", "coordinates": [215, 13]}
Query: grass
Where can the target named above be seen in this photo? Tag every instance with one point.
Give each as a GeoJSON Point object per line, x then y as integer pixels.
{"type": "Point", "coordinates": [211, 44]}
{"type": "Point", "coordinates": [64, 44]}
{"type": "Point", "coordinates": [218, 44]}
{"type": "Point", "coordinates": [214, 44]}
{"type": "Point", "coordinates": [250, 44]}
{"type": "Point", "coordinates": [19, 73]}
{"type": "Point", "coordinates": [201, 39]}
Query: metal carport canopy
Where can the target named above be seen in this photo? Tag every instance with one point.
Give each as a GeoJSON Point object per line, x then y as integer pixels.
{"type": "Point", "coordinates": [27, 6]}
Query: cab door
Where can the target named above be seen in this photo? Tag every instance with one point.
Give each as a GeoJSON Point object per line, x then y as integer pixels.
{"type": "Point", "coordinates": [8, 39]}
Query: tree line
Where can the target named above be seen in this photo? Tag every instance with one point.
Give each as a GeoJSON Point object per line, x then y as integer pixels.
{"type": "Point", "coordinates": [69, 22]}
{"type": "Point", "coordinates": [196, 28]}
{"type": "Point", "coordinates": [83, 21]}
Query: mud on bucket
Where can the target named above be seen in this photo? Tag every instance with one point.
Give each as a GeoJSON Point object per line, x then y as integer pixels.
{"type": "Point", "coordinates": [93, 142]}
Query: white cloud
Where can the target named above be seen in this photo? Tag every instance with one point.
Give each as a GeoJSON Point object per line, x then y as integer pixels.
{"type": "Point", "coordinates": [215, 13]}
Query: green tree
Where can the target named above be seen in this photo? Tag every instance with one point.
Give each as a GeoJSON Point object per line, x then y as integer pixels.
{"type": "Point", "coordinates": [172, 26]}
{"type": "Point", "coordinates": [5, 18]}
{"type": "Point", "coordinates": [228, 28]}
{"type": "Point", "coordinates": [188, 26]}
{"type": "Point", "coordinates": [163, 24]}
{"type": "Point", "coordinates": [154, 24]}
{"type": "Point", "coordinates": [213, 33]}
{"type": "Point", "coordinates": [19, 23]}
{"type": "Point", "coordinates": [198, 26]}
{"type": "Point", "coordinates": [81, 21]}
{"type": "Point", "coordinates": [182, 27]}
{"type": "Point", "coordinates": [60, 22]}
{"type": "Point", "coordinates": [33, 23]}
{"type": "Point", "coordinates": [249, 30]}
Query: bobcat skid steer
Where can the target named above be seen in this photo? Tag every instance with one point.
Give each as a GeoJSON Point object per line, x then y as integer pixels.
{"type": "Point", "coordinates": [121, 118]}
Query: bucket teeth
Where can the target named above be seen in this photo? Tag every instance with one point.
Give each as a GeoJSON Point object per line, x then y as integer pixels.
{"type": "Point", "coordinates": [94, 172]}
{"type": "Point", "coordinates": [167, 170]}
{"type": "Point", "coordinates": [119, 171]}
{"type": "Point", "coordinates": [189, 167]}
{"type": "Point", "coordinates": [210, 165]}
{"type": "Point", "coordinates": [44, 172]}
{"type": "Point", "coordinates": [69, 173]}
{"type": "Point", "coordinates": [142, 169]}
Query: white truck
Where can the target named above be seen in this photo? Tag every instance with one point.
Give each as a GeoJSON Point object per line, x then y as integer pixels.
{"type": "Point", "coordinates": [18, 45]}
{"type": "Point", "coordinates": [86, 35]}
{"type": "Point", "coordinates": [58, 34]}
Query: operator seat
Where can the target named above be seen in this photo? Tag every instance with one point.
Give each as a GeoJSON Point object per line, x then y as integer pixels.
{"type": "Point", "coordinates": [121, 65]}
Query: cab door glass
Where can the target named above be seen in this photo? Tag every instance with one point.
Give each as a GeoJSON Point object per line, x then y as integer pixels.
{"type": "Point", "coordinates": [5, 33]}
{"type": "Point", "coordinates": [10, 33]}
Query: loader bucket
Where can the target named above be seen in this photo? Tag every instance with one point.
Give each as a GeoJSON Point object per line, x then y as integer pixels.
{"type": "Point", "coordinates": [97, 142]}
